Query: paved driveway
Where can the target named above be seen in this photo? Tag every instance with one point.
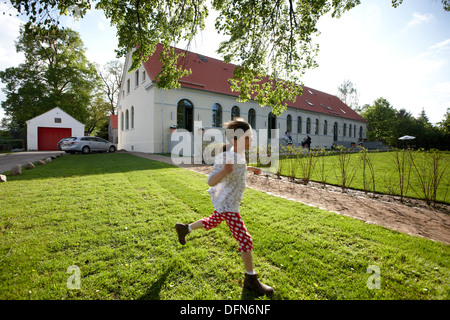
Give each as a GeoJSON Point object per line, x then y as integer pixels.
{"type": "Point", "coordinates": [8, 160]}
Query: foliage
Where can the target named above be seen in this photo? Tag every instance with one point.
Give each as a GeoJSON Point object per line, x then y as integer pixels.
{"type": "Point", "coordinates": [386, 124]}
{"type": "Point", "coordinates": [381, 118]}
{"type": "Point", "coordinates": [111, 75]}
{"type": "Point", "coordinates": [271, 41]}
{"type": "Point", "coordinates": [55, 73]}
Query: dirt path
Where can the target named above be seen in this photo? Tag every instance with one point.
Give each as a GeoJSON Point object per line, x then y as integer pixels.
{"type": "Point", "coordinates": [415, 218]}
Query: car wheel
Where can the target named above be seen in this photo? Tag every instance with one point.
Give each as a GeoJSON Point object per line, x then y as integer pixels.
{"type": "Point", "coordinates": [85, 149]}
{"type": "Point", "coordinates": [112, 149]}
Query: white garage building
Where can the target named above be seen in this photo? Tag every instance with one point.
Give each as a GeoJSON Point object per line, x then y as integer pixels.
{"type": "Point", "coordinates": [45, 130]}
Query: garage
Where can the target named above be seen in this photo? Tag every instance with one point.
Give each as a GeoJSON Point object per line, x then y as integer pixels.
{"type": "Point", "coordinates": [49, 137]}
{"type": "Point", "coordinates": [45, 130]}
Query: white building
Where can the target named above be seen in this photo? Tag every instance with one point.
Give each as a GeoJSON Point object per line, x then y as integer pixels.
{"type": "Point", "coordinates": [146, 113]}
{"type": "Point", "coordinates": [45, 130]}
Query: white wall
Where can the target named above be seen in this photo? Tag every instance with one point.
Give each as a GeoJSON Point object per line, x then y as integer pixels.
{"type": "Point", "coordinates": [138, 135]}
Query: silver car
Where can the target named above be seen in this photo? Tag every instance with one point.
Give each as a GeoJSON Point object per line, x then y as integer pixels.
{"type": "Point", "coordinates": [87, 145]}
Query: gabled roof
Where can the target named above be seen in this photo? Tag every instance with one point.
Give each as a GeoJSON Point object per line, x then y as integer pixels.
{"type": "Point", "coordinates": [57, 110]}
{"type": "Point", "coordinates": [212, 75]}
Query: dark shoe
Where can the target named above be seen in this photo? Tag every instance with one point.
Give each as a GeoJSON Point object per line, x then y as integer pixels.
{"type": "Point", "coordinates": [182, 230]}
{"type": "Point", "coordinates": [251, 282]}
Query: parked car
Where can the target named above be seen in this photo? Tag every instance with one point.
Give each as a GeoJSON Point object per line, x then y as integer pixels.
{"type": "Point", "coordinates": [58, 145]}
{"type": "Point", "coordinates": [87, 145]}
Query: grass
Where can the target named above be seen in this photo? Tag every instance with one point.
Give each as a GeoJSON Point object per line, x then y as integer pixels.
{"type": "Point", "coordinates": [386, 176]}
{"type": "Point", "coordinates": [113, 216]}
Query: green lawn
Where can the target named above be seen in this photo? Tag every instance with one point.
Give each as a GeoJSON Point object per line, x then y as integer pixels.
{"type": "Point", "coordinates": [386, 176]}
{"type": "Point", "coordinates": [113, 216]}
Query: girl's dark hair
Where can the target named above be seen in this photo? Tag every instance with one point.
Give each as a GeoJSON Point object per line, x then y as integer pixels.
{"type": "Point", "coordinates": [235, 124]}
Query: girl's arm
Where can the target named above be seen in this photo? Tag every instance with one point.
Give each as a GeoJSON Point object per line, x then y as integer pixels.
{"type": "Point", "coordinates": [254, 170]}
{"type": "Point", "coordinates": [216, 178]}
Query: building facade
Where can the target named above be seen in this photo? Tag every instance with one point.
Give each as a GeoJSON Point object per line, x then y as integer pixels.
{"type": "Point", "coordinates": [146, 113]}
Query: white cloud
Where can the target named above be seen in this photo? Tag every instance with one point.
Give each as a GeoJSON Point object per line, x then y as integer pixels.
{"type": "Point", "coordinates": [443, 45]}
{"type": "Point", "coordinates": [419, 18]}
{"type": "Point", "coordinates": [101, 26]}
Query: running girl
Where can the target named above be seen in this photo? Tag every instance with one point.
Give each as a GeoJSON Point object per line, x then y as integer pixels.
{"type": "Point", "coordinates": [227, 185]}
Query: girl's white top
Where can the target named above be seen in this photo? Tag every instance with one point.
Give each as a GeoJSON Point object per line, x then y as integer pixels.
{"type": "Point", "coordinates": [226, 196]}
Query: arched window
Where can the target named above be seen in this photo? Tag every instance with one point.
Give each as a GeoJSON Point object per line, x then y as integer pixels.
{"type": "Point", "coordinates": [272, 122]}
{"type": "Point", "coordinates": [345, 129]}
{"type": "Point", "coordinates": [252, 117]}
{"type": "Point", "coordinates": [360, 132]}
{"type": "Point", "coordinates": [132, 117]}
{"type": "Point", "coordinates": [235, 112]}
{"type": "Point", "coordinates": [121, 121]}
{"type": "Point", "coordinates": [308, 126]}
{"type": "Point", "coordinates": [316, 127]}
{"type": "Point", "coordinates": [335, 132]}
{"type": "Point", "coordinates": [217, 115]}
{"type": "Point", "coordinates": [185, 115]}
{"type": "Point", "coordinates": [127, 119]}
{"type": "Point", "coordinates": [325, 127]}
{"type": "Point", "coordinates": [289, 123]}
{"type": "Point", "coordinates": [299, 124]}
{"type": "Point", "coordinates": [354, 130]}
{"type": "Point", "coordinates": [350, 131]}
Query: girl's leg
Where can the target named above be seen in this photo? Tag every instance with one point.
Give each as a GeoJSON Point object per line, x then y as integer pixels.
{"type": "Point", "coordinates": [196, 225]}
{"type": "Point", "coordinates": [248, 262]}
{"type": "Point", "coordinates": [208, 223]}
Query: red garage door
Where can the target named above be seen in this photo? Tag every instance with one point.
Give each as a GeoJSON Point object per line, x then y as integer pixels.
{"type": "Point", "coordinates": [49, 137]}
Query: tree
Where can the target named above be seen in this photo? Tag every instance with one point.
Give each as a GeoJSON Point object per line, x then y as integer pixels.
{"type": "Point", "coordinates": [55, 73]}
{"type": "Point", "coordinates": [444, 125]}
{"type": "Point", "coordinates": [269, 40]}
{"type": "Point", "coordinates": [99, 111]}
{"type": "Point", "coordinates": [382, 121]}
{"type": "Point", "coordinates": [111, 75]}
{"type": "Point", "coordinates": [348, 93]}
{"type": "Point", "coordinates": [444, 128]}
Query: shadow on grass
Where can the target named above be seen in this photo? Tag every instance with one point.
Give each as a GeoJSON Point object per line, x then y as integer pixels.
{"type": "Point", "coordinates": [154, 291]}
{"type": "Point", "coordinates": [248, 295]}
{"type": "Point", "coordinates": [89, 164]}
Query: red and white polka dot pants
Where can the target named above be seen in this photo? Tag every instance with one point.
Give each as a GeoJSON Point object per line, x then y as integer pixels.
{"type": "Point", "coordinates": [236, 225]}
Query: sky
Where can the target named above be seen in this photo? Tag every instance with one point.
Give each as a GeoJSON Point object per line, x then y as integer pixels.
{"type": "Point", "coordinates": [401, 54]}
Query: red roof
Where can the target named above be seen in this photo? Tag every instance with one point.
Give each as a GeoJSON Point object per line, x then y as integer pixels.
{"type": "Point", "coordinates": [212, 75]}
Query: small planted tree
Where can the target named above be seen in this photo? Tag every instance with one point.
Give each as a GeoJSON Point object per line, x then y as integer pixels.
{"type": "Point", "coordinates": [401, 161]}
{"type": "Point", "coordinates": [291, 162]}
{"type": "Point", "coordinates": [320, 165]}
{"type": "Point", "coordinates": [368, 171]}
{"type": "Point", "coordinates": [347, 166]}
{"type": "Point", "coordinates": [429, 169]}
{"type": "Point", "coordinates": [306, 163]}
